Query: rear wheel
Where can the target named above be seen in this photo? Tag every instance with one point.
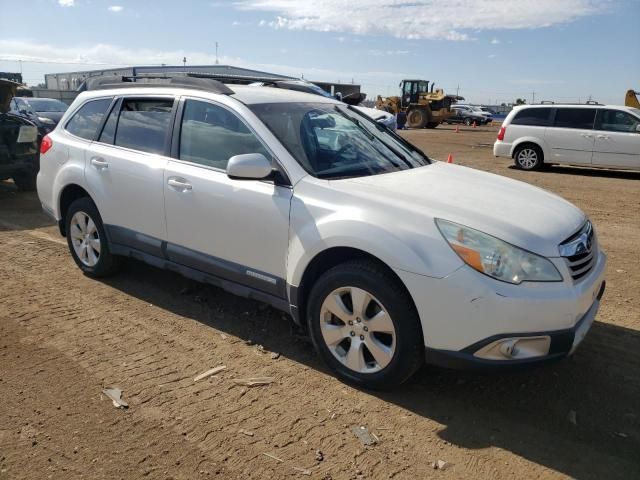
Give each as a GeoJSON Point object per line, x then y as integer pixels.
{"type": "Point", "coordinates": [364, 325]}
{"type": "Point", "coordinates": [528, 157]}
{"type": "Point", "coordinates": [468, 121]}
{"type": "Point", "coordinates": [417, 118]}
{"type": "Point", "coordinates": [87, 240]}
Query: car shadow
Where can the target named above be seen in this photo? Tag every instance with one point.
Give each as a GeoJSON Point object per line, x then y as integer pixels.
{"type": "Point", "coordinates": [588, 172]}
{"type": "Point", "coordinates": [527, 413]}
{"type": "Point", "coordinates": [20, 210]}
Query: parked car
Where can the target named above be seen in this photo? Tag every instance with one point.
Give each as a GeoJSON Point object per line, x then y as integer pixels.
{"type": "Point", "coordinates": [45, 113]}
{"type": "Point", "coordinates": [18, 142]}
{"type": "Point", "coordinates": [386, 257]}
{"type": "Point", "coordinates": [606, 136]}
{"type": "Point", "coordinates": [467, 115]}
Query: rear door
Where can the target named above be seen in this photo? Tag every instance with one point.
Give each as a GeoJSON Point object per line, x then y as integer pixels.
{"type": "Point", "coordinates": [617, 139]}
{"type": "Point", "coordinates": [571, 137]}
{"type": "Point", "coordinates": [125, 170]}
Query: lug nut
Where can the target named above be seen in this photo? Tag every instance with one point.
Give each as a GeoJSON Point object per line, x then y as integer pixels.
{"type": "Point", "coordinates": [358, 319]}
{"type": "Point", "coordinates": [350, 322]}
{"type": "Point", "coordinates": [353, 334]}
{"type": "Point", "coordinates": [361, 337]}
{"type": "Point", "coordinates": [365, 329]}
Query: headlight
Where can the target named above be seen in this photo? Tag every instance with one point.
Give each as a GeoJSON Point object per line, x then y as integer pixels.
{"type": "Point", "coordinates": [46, 121]}
{"type": "Point", "coordinates": [498, 259]}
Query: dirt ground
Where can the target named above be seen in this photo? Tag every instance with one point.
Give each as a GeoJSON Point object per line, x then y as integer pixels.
{"type": "Point", "coordinates": [63, 337]}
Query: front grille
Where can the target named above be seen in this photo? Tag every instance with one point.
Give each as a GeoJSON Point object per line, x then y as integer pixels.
{"type": "Point", "coordinates": [580, 251]}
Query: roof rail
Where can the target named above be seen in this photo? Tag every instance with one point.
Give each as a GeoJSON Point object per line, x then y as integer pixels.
{"type": "Point", "coordinates": [103, 82]}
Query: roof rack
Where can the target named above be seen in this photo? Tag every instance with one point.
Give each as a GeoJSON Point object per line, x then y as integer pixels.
{"type": "Point", "coordinates": [187, 80]}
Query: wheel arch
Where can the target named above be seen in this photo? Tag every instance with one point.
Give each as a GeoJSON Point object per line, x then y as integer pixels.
{"type": "Point", "coordinates": [536, 142]}
{"type": "Point", "coordinates": [325, 260]}
{"type": "Point", "coordinates": [68, 195]}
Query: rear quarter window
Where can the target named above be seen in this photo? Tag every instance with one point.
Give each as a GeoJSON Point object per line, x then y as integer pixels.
{"type": "Point", "coordinates": [86, 121]}
{"type": "Point", "coordinates": [535, 117]}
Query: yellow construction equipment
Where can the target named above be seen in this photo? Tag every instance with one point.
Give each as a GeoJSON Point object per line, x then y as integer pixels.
{"type": "Point", "coordinates": [424, 107]}
{"type": "Point", "coordinates": [631, 99]}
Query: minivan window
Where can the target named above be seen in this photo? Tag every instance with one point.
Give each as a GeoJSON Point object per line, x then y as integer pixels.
{"type": "Point", "coordinates": [143, 124]}
{"type": "Point", "coordinates": [210, 135]}
{"type": "Point", "coordinates": [85, 122]}
{"type": "Point", "coordinates": [534, 117]}
{"type": "Point", "coordinates": [616, 121]}
{"type": "Point", "coordinates": [575, 118]}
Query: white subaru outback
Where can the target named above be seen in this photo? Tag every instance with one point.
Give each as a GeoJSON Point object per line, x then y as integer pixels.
{"type": "Point", "coordinates": [386, 257]}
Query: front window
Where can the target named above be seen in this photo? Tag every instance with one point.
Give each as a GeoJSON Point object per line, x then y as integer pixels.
{"type": "Point", "coordinates": [336, 141]}
{"type": "Point", "coordinates": [616, 121]}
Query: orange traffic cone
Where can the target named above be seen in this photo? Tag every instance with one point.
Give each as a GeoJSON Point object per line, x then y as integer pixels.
{"type": "Point", "coordinates": [450, 159]}
{"type": "Point", "coordinates": [457, 128]}
{"type": "Point", "coordinates": [474, 124]}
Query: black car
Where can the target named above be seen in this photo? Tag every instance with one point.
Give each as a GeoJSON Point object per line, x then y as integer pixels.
{"type": "Point", "coordinates": [44, 112]}
{"type": "Point", "coordinates": [19, 156]}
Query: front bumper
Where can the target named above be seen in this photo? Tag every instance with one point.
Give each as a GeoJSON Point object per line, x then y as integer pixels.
{"type": "Point", "coordinates": [561, 344]}
{"type": "Point", "coordinates": [466, 311]}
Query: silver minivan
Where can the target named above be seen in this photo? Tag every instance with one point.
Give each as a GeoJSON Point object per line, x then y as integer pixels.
{"type": "Point", "coordinates": [605, 136]}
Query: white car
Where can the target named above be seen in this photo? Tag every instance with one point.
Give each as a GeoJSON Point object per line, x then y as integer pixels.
{"type": "Point", "coordinates": [380, 116]}
{"type": "Point", "coordinates": [386, 257]}
{"type": "Point", "coordinates": [606, 136]}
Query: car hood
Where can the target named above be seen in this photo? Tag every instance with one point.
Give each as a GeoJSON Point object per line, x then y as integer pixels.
{"type": "Point", "coordinates": [516, 212]}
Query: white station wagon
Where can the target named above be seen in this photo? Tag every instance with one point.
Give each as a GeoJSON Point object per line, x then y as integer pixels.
{"type": "Point", "coordinates": [604, 136]}
{"type": "Point", "coordinates": [386, 257]}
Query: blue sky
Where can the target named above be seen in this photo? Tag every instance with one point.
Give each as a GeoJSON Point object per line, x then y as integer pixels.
{"type": "Point", "coordinates": [494, 50]}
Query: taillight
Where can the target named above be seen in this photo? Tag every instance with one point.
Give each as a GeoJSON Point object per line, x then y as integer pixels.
{"type": "Point", "coordinates": [45, 145]}
{"type": "Point", "coordinates": [501, 133]}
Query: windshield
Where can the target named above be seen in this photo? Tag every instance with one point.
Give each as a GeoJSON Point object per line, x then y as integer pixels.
{"type": "Point", "coordinates": [47, 105]}
{"type": "Point", "coordinates": [336, 141]}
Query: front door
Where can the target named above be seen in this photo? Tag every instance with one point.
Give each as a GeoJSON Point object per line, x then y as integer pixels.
{"type": "Point", "coordinates": [571, 136]}
{"type": "Point", "coordinates": [617, 140]}
{"type": "Point", "coordinates": [237, 230]}
{"type": "Point", "coordinates": [125, 169]}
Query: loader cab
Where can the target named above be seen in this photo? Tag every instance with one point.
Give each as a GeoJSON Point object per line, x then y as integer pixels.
{"type": "Point", "coordinates": [411, 90]}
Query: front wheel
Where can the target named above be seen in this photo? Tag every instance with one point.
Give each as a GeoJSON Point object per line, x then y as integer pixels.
{"type": "Point", "coordinates": [528, 157]}
{"type": "Point", "coordinates": [468, 121]}
{"type": "Point", "coordinates": [87, 239]}
{"type": "Point", "coordinates": [417, 118]}
{"type": "Point", "coordinates": [364, 325]}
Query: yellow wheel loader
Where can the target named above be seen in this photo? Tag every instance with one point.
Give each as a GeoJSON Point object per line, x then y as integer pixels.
{"type": "Point", "coordinates": [631, 99]}
{"type": "Point", "coordinates": [424, 107]}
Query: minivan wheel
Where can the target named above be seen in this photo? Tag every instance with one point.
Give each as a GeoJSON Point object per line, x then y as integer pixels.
{"type": "Point", "coordinates": [364, 325]}
{"type": "Point", "coordinates": [87, 239]}
{"type": "Point", "coordinates": [528, 157]}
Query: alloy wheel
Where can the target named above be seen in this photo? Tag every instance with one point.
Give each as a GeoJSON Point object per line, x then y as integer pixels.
{"type": "Point", "coordinates": [85, 239]}
{"type": "Point", "coordinates": [527, 158]}
{"type": "Point", "coordinates": [357, 329]}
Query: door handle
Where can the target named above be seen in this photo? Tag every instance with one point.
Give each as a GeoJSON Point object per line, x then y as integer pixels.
{"type": "Point", "coordinates": [99, 162]}
{"type": "Point", "coordinates": [603, 137]}
{"type": "Point", "coordinates": [179, 184]}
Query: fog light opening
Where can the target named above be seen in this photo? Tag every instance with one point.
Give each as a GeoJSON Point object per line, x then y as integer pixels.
{"type": "Point", "coordinates": [515, 348]}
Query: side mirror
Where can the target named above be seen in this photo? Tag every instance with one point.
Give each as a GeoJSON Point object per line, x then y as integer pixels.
{"type": "Point", "coordinates": [250, 166]}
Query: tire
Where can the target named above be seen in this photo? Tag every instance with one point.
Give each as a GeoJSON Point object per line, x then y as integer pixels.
{"type": "Point", "coordinates": [98, 260]}
{"type": "Point", "coordinates": [528, 157]}
{"type": "Point", "coordinates": [26, 181]}
{"type": "Point", "coordinates": [417, 118]}
{"type": "Point", "coordinates": [467, 121]}
{"type": "Point", "coordinates": [432, 124]}
{"type": "Point", "coordinates": [395, 338]}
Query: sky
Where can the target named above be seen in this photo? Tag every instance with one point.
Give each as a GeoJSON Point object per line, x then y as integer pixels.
{"type": "Point", "coordinates": [489, 51]}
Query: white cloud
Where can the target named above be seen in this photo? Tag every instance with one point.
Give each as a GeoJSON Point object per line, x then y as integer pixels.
{"type": "Point", "coordinates": [115, 8]}
{"type": "Point", "coordinates": [67, 3]}
{"type": "Point", "coordinates": [495, 41]}
{"type": "Point", "coordinates": [380, 53]}
{"type": "Point", "coordinates": [420, 19]}
{"type": "Point", "coordinates": [493, 55]}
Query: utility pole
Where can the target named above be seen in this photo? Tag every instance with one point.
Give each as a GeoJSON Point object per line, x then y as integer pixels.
{"type": "Point", "coordinates": [458, 90]}
{"type": "Point", "coordinates": [217, 62]}
{"type": "Point", "coordinates": [533, 98]}
{"type": "Point", "coordinates": [184, 61]}
{"type": "Point", "coordinates": [20, 62]}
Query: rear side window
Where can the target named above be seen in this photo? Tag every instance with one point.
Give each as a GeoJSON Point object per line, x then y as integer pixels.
{"type": "Point", "coordinates": [575, 118]}
{"type": "Point", "coordinates": [616, 121]}
{"type": "Point", "coordinates": [535, 117]}
{"type": "Point", "coordinates": [143, 124]}
{"type": "Point", "coordinates": [86, 121]}
{"type": "Point", "coordinates": [210, 135]}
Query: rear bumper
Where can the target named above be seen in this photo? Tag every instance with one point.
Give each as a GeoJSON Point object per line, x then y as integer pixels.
{"type": "Point", "coordinates": [562, 343]}
{"type": "Point", "coordinates": [501, 149]}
